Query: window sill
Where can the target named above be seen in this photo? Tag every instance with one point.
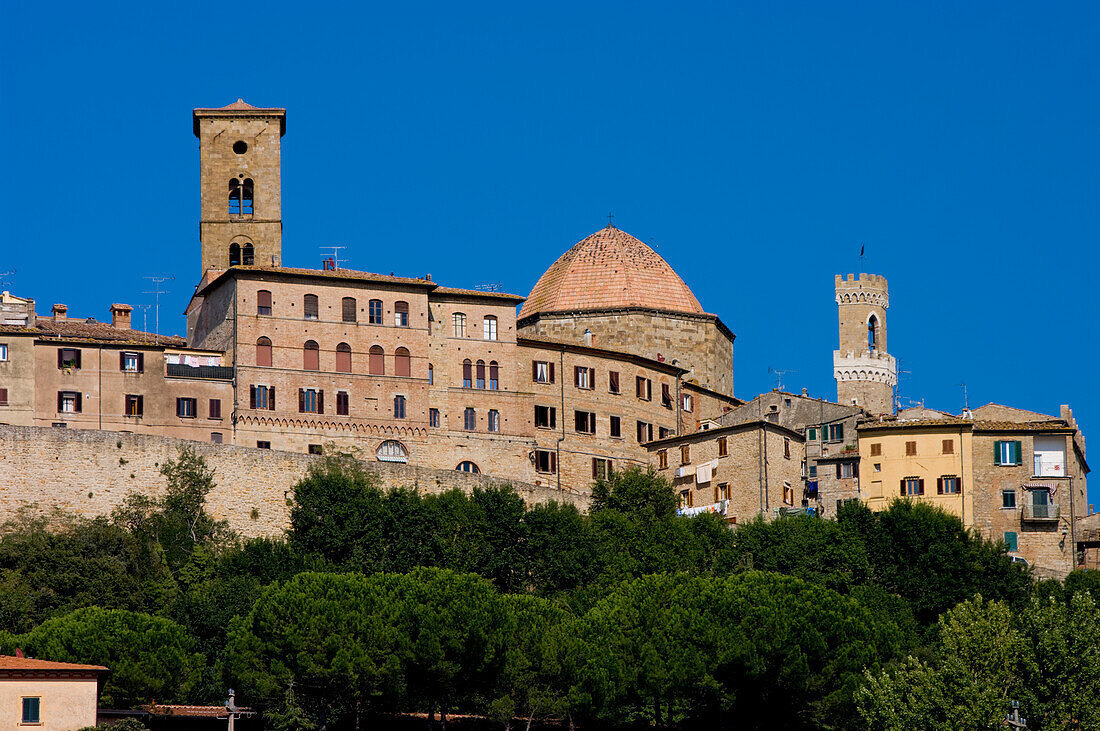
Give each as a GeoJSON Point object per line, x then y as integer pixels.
{"type": "Point", "coordinates": [1050, 477]}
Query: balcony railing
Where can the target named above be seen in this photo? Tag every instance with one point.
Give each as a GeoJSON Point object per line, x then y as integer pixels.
{"type": "Point", "coordinates": [1050, 511]}
{"type": "Point", "coordinates": [206, 373]}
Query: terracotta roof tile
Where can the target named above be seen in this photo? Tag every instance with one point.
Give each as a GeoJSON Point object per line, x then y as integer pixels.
{"type": "Point", "coordinates": [610, 270]}
{"type": "Point", "coordinates": [10, 662]}
{"type": "Point", "coordinates": [477, 293]}
{"type": "Point", "coordinates": [70, 329]}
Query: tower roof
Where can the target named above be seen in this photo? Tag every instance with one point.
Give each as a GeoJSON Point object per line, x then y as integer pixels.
{"type": "Point", "coordinates": [240, 108]}
{"type": "Point", "coordinates": [610, 270]}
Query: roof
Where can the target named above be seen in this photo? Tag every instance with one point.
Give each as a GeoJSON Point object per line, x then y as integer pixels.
{"type": "Point", "coordinates": [11, 663]}
{"type": "Point", "coordinates": [237, 109]}
{"type": "Point", "coordinates": [610, 270]}
{"type": "Point", "coordinates": [1052, 425]}
{"type": "Point", "coordinates": [455, 291]}
{"type": "Point", "coordinates": [168, 709]}
{"type": "Point", "coordinates": [345, 274]}
{"type": "Point", "coordinates": [705, 434]}
{"type": "Point", "coordinates": [530, 342]}
{"type": "Point", "coordinates": [90, 330]}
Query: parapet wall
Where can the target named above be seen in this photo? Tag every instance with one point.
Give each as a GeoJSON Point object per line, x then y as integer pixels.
{"type": "Point", "coordinates": [89, 473]}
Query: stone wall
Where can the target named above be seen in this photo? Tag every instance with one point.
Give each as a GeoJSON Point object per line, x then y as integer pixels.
{"type": "Point", "coordinates": [90, 472]}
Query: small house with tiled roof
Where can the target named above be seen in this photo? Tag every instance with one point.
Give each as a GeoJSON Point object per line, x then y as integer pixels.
{"type": "Point", "coordinates": [47, 695]}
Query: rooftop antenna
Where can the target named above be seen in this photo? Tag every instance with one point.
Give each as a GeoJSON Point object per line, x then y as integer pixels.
{"type": "Point", "coordinates": [5, 279]}
{"type": "Point", "coordinates": [157, 292]}
{"type": "Point", "coordinates": [966, 401]}
{"type": "Point", "coordinates": [144, 317]}
{"type": "Point", "coordinates": [779, 376]}
{"type": "Point", "coordinates": [332, 262]}
{"type": "Point", "coordinates": [897, 384]}
{"type": "Point", "coordinates": [494, 287]}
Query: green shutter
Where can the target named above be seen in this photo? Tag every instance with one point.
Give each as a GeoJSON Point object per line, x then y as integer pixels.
{"type": "Point", "coordinates": [996, 453]}
{"type": "Point", "coordinates": [1010, 541]}
{"type": "Point", "coordinates": [1018, 457]}
{"type": "Point", "coordinates": [840, 432]}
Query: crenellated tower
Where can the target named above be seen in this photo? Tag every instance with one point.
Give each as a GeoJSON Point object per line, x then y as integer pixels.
{"type": "Point", "coordinates": [241, 219]}
{"type": "Point", "coordinates": [865, 372]}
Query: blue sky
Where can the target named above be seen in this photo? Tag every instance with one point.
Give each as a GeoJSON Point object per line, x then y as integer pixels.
{"type": "Point", "coordinates": [757, 146]}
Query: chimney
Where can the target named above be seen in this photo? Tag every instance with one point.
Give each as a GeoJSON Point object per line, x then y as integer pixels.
{"type": "Point", "coordinates": [59, 311]}
{"type": "Point", "coordinates": [805, 392]}
{"type": "Point", "coordinates": [120, 316]}
{"type": "Point", "coordinates": [588, 338]}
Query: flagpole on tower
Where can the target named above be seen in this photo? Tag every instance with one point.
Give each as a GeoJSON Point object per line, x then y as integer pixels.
{"type": "Point", "coordinates": [861, 248]}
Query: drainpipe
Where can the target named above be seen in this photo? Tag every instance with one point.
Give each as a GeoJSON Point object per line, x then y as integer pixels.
{"type": "Point", "coordinates": [236, 390]}
{"type": "Point", "coordinates": [765, 456]}
{"type": "Point", "coordinates": [561, 382]}
{"type": "Point", "coordinates": [962, 476]}
{"type": "Point", "coordinates": [99, 395]}
{"type": "Point", "coordinates": [679, 407]}
{"type": "Point", "coordinates": [760, 471]}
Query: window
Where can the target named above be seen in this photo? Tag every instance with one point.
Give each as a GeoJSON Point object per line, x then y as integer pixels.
{"type": "Point", "coordinates": [788, 493]}
{"type": "Point", "coordinates": [262, 397]}
{"type": "Point", "coordinates": [458, 319]}
{"type": "Point", "coordinates": [238, 255]}
{"type": "Point", "coordinates": [469, 419]}
{"type": "Point", "coordinates": [311, 356]}
{"type": "Point", "coordinates": [811, 434]}
{"type": "Point", "coordinates": [215, 408]}
{"type": "Point", "coordinates": [872, 332]}
{"type": "Point", "coordinates": [494, 375]}
{"type": "Point", "coordinates": [583, 377]}
{"type": "Point", "coordinates": [263, 302]}
{"type": "Point", "coordinates": [347, 309]}
{"type": "Point", "coordinates": [601, 468]}
{"type": "Point", "coordinates": [489, 327]}
{"type": "Point", "coordinates": [723, 447]}
{"type": "Point", "coordinates": [663, 432]}
{"type": "Point", "coordinates": [3, 397]}
{"type": "Point", "coordinates": [402, 362]}
{"type": "Point", "coordinates": [845, 470]}
{"type": "Point", "coordinates": [309, 307]}
{"type": "Point", "coordinates": [134, 405]}
{"type": "Point", "coordinates": [433, 418]}
{"type": "Point", "coordinates": [467, 466]}
{"type": "Point", "coordinates": [542, 371]}
{"type": "Point", "coordinates": [376, 361]}
{"type": "Point", "coordinates": [3, 352]}
{"type": "Point", "coordinates": [912, 486]}
{"type": "Point", "coordinates": [687, 499]}
{"type": "Point", "coordinates": [68, 358]}
{"type": "Point", "coordinates": [186, 408]}
{"type": "Point", "coordinates": [723, 491]}
{"type": "Point", "coordinates": [401, 314]}
{"type": "Point", "coordinates": [545, 417]}
{"type": "Point", "coordinates": [948, 446]}
{"type": "Point", "coordinates": [584, 422]}
{"type": "Point", "coordinates": [834, 432]}
{"type": "Point", "coordinates": [1007, 453]}
{"type": "Point", "coordinates": [687, 402]}
{"type": "Point", "coordinates": [494, 420]}
{"type": "Point", "coordinates": [786, 448]}
{"type": "Point", "coordinates": [1008, 499]}
{"type": "Point", "coordinates": [546, 461]}
{"type": "Point", "coordinates": [431, 374]}
{"type": "Point", "coordinates": [374, 312]}
{"type": "Point", "coordinates": [263, 352]}
{"type": "Point", "coordinates": [662, 459]}
{"type": "Point", "coordinates": [615, 428]}
{"type": "Point", "coordinates": [314, 449]}
{"type": "Point", "coordinates": [399, 407]}
{"type": "Point", "coordinates": [215, 437]}
{"type": "Point", "coordinates": [948, 485]}
{"type": "Point", "coordinates": [685, 454]}
{"type": "Point", "coordinates": [876, 449]}
{"type": "Point", "coordinates": [878, 467]}
{"type": "Point", "coordinates": [311, 401]}
{"type": "Point", "coordinates": [263, 445]}
{"type": "Point", "coordinates": [343, 358]}
{"type": "Point", "coordinates": [1011, 542]}
{"type": "Point", "coordinates": [131, 362]}
{"type": "Point", "coordinates": [643, 388]}
{"type": "Point", "coordinates": [467, 374]}
{"type": "Point", "coordinates": [812, 471]}
{"type": "Point", "coordinates": [240, 197]}
{"type": "Point", "coordinates": [392, 450]}
{"type": "Point", "coordinates": [32, 710]}
{"type": "Point", "coordinates": [645, 432]}
{"type": "Point", "coordinates": [666, 395]}
{"type": "Point", "coordinates": [910, 449]}
{"type": "Point", "coordinates": [248, 255]}
{"type": "Point", "coordinates": [481, 374]}
{"type": "Point", "coordinates": [343, 403]}
{"type": "Point", "coordinates": [613, 382]}
{"type": "Point", "coordinates": [1049, 456]}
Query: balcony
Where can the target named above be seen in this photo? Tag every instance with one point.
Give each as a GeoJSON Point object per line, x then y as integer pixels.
{"type": "Point", "coordinates": [204, 373]}
{"type": "Point", "coordinates": [1049, 512]}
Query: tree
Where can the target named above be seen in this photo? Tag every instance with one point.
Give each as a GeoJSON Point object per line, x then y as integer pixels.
{"type": "Point", "coordinates": [533, 681]}
{"type": "Point", "coordinates": [635, 491]}
{"type": "Point", "coordinates": [561, 551]}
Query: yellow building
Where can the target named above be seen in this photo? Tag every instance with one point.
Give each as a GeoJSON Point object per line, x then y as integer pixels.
{"type": "Point", "coordinates": [48, 696]}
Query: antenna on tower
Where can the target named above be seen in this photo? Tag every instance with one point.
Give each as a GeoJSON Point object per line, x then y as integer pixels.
{"type": "Point", "coordinates": [157, 292]}
{"type": "Point", "coordinates": [779, 376]}
{"type": "Point", "coordinates": [332, 263]}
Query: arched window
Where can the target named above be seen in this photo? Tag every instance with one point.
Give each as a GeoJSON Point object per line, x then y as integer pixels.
{"type": "Point", "coordinates": [248, 255]}
{"type": "Point", "coordinates": [494, 375]}
{"type": "Point", "coordinates": [343, 358]}
{"type": "Point", "coordinates": [263, 302]}
{"type": "Point", "coordinates": [402, 362]}
{"type": "Point", "coordinates": [246, 197]}
{"type": "Point", "coordinates": [309, 307]}
{"type": "Point", "coordinates": [311, 356]}
{"type": "Point", "coordinates": [467, 466]}
{"type": "Point", "coordinates": [399, 407]}
{"type": "Point", "coordinates": [392, 451]}
{"type": "Point", "coordinates": [376, 362]}
{"type": "Point", "coordinates": [459, 320]}
{"type": "Point", "coordinates": [347, 309]}
{"type": "Point", "coordinates": [481, 374]}
{"type": "Point", "coordinates": [489, 327]}
{"type": "Point", "coordinates": [234, 254]}
{"type": "Point", "coordinates": [401, 314]}
{"type": "Point", "coordinates": [374, 312]}
{"type": "Point", "coordinates": [469, 419]}
{"type": "Point", "coordinates": [872, 332]}
{"type": "Point", "coordinates": [467, 373]}
{"type": "Point", "coordinates": [263, 352]}
{"type": "Point", "coordinates": [431, 374]}
{"type": "Point", "coordinates": [234, 197]}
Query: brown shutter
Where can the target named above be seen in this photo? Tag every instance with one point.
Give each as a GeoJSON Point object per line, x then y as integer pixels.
{"type": "Point", "coordinates": [855, 469]}
{"type": "Point", "coordinates": [939, 485]}
{"type": "Point", "coordinates": [593, 468]}
{"type": "Point", "coordinates": [903, 488]}
{"type": "Point", "coordinates": [77, 353]}
{"type": "Point", "coordinates": [59, 398]}
{"type": "Point", "coordinates": [60, 358]}
{"type": "Point", "coordinates": [553, 462]}
{"type": "Point", "coordinates": [838, 470]}
{"type": "Point", "coordinates": [576, 375]}
{"type": "Point", "coordinates": [122, 361]}
{"type": "Point", "coordinates": [301, 400]}
{"type": "Point", "coordinates": [141, 362]}
{"type": "Point", "coordinates": [3, 396]}
{"type": "Point", "coordinates": [79, 402]}
{"type": "Point", "coordinates": [251, 397]}
{"type": "Point", "coordinates": [920, 486]}
{"type": "Point", "coordinates": [551, 371]}
{"type": "Point", "coordinates": [271, 398]}
{"type": "Point", "coordinates": [534, 370]}
{"type": "Point", "coordinates": [613, 381]}
{"type": "Point", "coordinates": [553, 417]}
{"type": "Point", "coordinates": [320, 401]}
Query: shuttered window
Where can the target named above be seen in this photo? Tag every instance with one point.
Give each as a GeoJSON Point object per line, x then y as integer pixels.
{"type": "Point", "coordinates": [546, 461]}
{"type": "Point", "coordinates": [263, 302]}
{"type": "Point", "coordinates": [613, 381]}
{"type": "Point", "coordinates": [263, 352]}
{"type": "Point", "coordinates": [376, 361]}
{"type": "Point", "coordinates": [615, 428]}
{"type": "Point", "coordinates": [343, 358]}
{"type": "Point", "coordinates": [311, 356]}
{"type": "Point", "coordinates": [309, 307]}
{"type": "Point", "coordinates": [911, 486]}
{"type": "Point", "coordinates": [910, 449]}
{"type": "Point", "coordinates": [401, 314]}
{"type": "Point", "coordinates": [467, 374]}
{"type": "Point", "coordinates": [215, 408]}
{"type": "Point", "coordinates": [347, 309]}
{"type": "Point", "coordinates": [402, 362]}
{"type": "Point", "coordinates": [542, 371]}
{"type": "Point", "coordinates": [1007, 453]}
{"type": "Point", "coordinates": [481, 374]}
{"type": "Point", "coordinates": [343, 403]}
{"type": "Point", "coordinates": [494, 375]}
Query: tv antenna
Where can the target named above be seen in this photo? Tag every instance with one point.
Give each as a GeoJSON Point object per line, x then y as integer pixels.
{"type": "Point", "coordinates": [779, 376]}
{"type": "Point", "coordinates": [144, 317]}
{"type": "Point", "coordinates": [5, 279]}
{"type": "Point", "coordinates": [157, 292]}
{"type": "Point", "coordinates": [966, 401]}
{"type": "Point", "coordinates": [493, 287]}
{"type": "Point", "coordinates": [332, 262]}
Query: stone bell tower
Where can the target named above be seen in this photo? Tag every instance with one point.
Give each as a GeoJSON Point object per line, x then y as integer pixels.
{"type": "Point", "coordinates": [865, 373]}
{"type": "Point", "coordinates": [241, 219]}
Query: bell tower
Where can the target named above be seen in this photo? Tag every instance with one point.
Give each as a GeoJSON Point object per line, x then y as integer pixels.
{"type": "Point", "coordinates": [240, 219]}
{"type": "Point", "coordinates": [865, 373]}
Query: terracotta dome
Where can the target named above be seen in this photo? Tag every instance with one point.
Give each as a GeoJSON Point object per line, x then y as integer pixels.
{"type": "Point", "coordinates": [610, 270]}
